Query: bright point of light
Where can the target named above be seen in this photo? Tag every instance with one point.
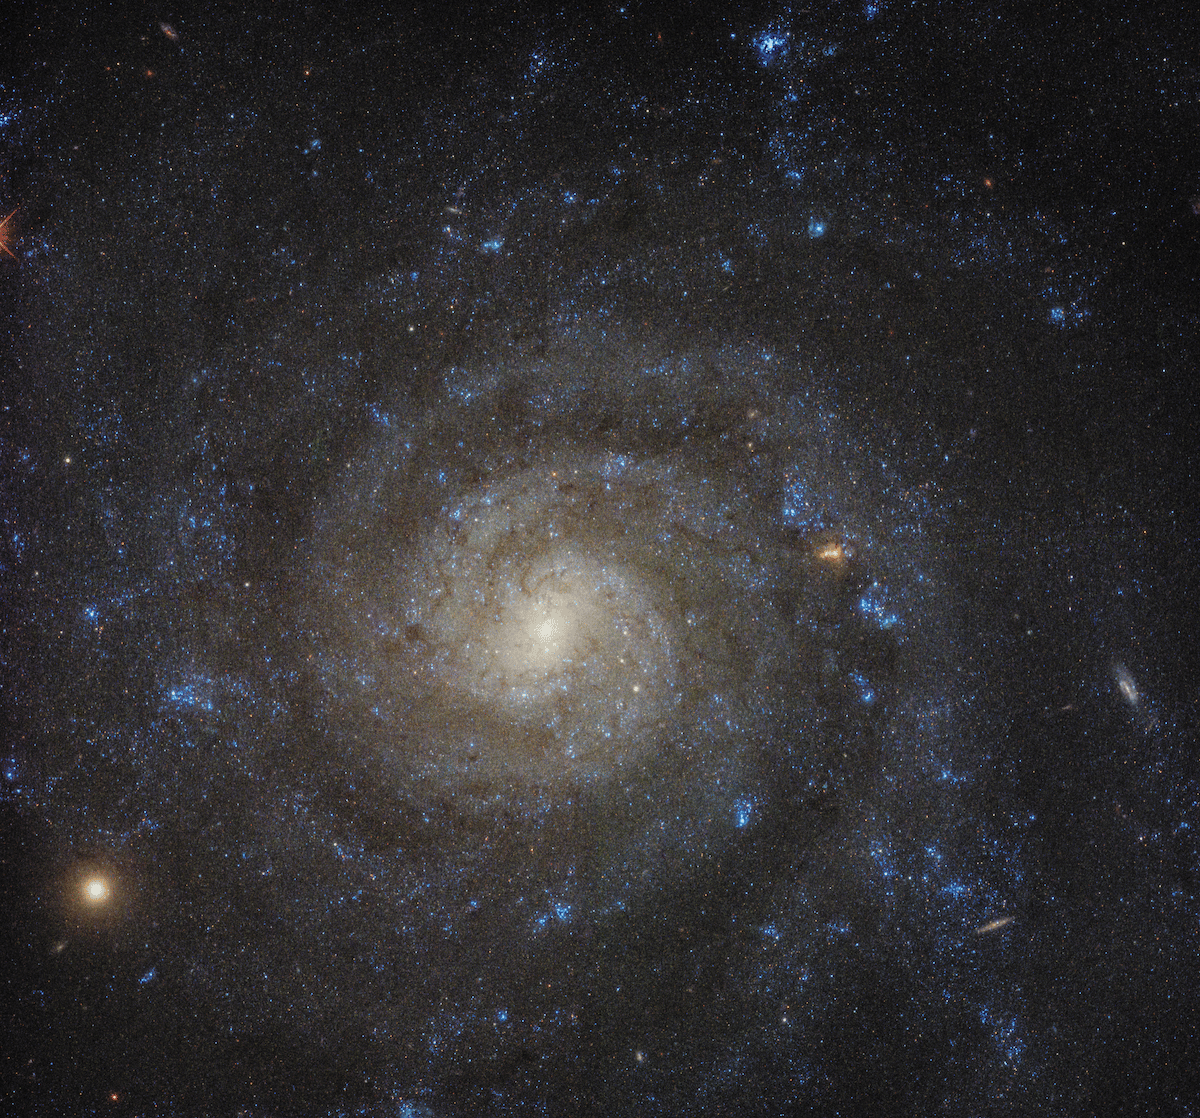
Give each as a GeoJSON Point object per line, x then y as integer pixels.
{"type": "Point", "coordinates": [96, 890]}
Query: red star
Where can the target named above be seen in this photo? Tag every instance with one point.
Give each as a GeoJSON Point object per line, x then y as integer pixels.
{"type": "Point", "coordinates": [5, 235]}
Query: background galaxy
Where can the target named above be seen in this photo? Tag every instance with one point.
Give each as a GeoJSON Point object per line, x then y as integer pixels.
{"type": "Point", "coordinates": [623, 561]}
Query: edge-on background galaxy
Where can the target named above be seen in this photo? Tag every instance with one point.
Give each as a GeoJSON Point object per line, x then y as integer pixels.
{"type": "Point", "coordinates": [589, 563]}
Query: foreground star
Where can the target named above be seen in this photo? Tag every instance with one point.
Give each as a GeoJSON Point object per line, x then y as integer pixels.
{"type": "Point", "coordinates": [5, 235]}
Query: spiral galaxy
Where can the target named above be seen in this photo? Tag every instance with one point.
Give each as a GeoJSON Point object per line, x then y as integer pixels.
{"type": "Point", "coordinates": [599, 560]}
{"type": "Point", "coordinates": [632, 603]}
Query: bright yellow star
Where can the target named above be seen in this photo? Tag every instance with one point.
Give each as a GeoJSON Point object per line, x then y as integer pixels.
{"type": "Point", "coordinates": [96, 890]}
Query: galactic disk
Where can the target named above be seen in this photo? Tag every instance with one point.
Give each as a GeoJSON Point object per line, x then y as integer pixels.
{"type": "Point", "coordinates": [632, 614]}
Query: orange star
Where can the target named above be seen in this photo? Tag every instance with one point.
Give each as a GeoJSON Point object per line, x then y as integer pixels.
{"type": "Point", "coordinates": [5, 235]}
